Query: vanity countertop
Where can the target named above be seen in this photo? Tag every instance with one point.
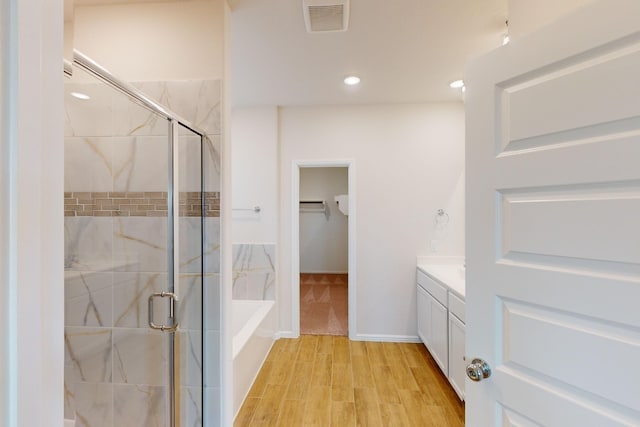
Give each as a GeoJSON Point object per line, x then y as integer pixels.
{"type": "Point", "coordinates": [449, 275]}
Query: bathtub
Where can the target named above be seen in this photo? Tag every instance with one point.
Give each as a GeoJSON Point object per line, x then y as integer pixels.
{"type": "Point", "coordinates": [253, 325]}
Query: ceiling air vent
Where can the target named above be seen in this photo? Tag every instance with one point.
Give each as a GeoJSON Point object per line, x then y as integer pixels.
{"type": "Point", "coordinates": [326, 15]}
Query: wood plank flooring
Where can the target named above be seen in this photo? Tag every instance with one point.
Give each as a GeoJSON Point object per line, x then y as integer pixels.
{"type": "Point", "coordinates": [319, 380]}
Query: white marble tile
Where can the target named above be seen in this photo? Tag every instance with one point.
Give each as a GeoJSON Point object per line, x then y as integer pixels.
{"type": "Point", "coordinates": [136, 406]}
{"type": "Point", "coordinates": [212, 245]}
{"type": "Point", "coordinates": [140, 356]}
{"type": "Point", "coordinates": [212, 357]}
{"type": "Point", "coordinates": [140, 244]}
{"type": "Point", "coordinates": [212, 406]}
{"type": "Point", "coordinates": [190, 244]}
{"type": "Point", "coordinates": [190, 301]}
{"type": "Point", "coordinates": [253, 271]}
{"type": "Point", "coordinates": [190, 346]}
{"type": "Point", "coordinates": [208, 106]}
{"type": "Point", "coordinates": [88, 242]}
{"type": "Point", "coordinates": [240, 285]}
{"type": "Point", "coordinates": [191, 406]}
{"type": "Point", "coordinates": [212, 144]}
{"type": "Point", "coordinates": [253, 257]}
{"type": "Point", "coordinates": [69, 392]}
{"type": "Point", "coordinates": [261, 285]}
{"type": "Point", "coordinates": [88, 299]}
{"type": "Point", "coordinates": [197, 101]}
{"type": "Point", "coordinates": [93, 117]}
{"type": "Point", "coordinates": [141, 163]}
{"type": "Point", "coordinates": [133, 119]}
{"type": "Point", "coordinates": [94, 405]}
{"type": "Point", "coordinates": [212, 301]}
{"type": "Point", "coordinates": [88, 351]}
{"type": "Point", "coordinates": [88, 164]}
{"type": "Point", "coordinates": [190, 162]}
{"type": "Point", "coordinates": [131, 293]}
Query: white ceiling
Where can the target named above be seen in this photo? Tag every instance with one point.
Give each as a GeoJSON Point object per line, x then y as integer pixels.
{"type": "Point", "coordinates": [405, 51]}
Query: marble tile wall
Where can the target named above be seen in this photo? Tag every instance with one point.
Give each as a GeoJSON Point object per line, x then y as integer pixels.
{"type": "Point", "coordinates": [115, 366]}
{"type": "Point", "coordinates": [254, 271]}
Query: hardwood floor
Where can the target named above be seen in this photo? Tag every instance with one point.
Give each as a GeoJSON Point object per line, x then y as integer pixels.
{"type": "Point", "coordinates": [318, 380]}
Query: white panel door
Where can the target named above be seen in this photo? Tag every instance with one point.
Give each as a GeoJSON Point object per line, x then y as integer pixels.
{"type": "Point", "coordinates": [553, 232]}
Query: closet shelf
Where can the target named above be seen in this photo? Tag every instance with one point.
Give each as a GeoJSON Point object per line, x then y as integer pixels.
{"type": "Point", "coordinates": [313, 206]}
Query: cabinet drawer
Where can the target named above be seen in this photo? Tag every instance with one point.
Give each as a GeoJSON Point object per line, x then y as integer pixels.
{"type": "Point", "coordinates": [456, 306]}
{"type": "Point", "coordinates": [438, 291]}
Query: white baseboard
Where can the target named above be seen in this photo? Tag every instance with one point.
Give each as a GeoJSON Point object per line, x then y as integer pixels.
{"type": "Point", "coordinates": [362, 337]}
{"type": "Point", "coordinates": [386, 338]}
{"type": "Point", "coordinates": [285, 334]}
{"type": "Point", "coordinates": [324, 272]}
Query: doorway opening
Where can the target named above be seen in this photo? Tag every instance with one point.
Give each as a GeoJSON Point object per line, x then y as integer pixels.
{"type": "Point", "coordinates": [323, 246]}
{"type": "Point", "coordinates": [324, 260]}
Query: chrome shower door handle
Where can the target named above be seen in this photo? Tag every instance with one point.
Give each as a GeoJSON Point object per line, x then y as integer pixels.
{"type": "Point", "coordinates": [173, 298]}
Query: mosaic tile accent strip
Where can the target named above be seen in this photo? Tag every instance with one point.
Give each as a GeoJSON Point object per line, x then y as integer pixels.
{"type": "Point", "coordinates": [142, 203]}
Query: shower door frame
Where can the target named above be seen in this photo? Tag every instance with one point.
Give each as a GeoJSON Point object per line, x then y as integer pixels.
{"type": "Point", "coordinates": [173, 213]}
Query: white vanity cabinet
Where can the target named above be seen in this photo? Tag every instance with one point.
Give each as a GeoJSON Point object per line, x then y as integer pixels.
{"type": "Point", "coordinates": [441, 321]}
{"type": "Point", "coordinates": [457, 358]}
{"type": "Point", "coordinates": [433, 319]}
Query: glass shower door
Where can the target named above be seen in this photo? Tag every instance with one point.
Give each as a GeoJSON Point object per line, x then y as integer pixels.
{"type": "Point", "coordinates": [190, 269]}
{"type": "Point", "coordinates": [128, 248]}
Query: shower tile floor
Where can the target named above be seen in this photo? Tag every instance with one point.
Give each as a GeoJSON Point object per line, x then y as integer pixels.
{"type": "Point", "coordinates": [324, 304]}
{"type": "Point", "coordinates": [331, 381]}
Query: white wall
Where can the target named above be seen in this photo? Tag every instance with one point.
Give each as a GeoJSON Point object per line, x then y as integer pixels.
{"type": "Point", "coordinates": [31, 271]}
{"type": "Point", "coordinates": [154, 41]}
{"type": "Point", "coordinates": [254, 170]}
{"type": "Point", "coordinates": [324, 241]}
{"type": "Point", "coordinates": [526, 16]}
{"type": "Point", "coordinates": [409, 162]}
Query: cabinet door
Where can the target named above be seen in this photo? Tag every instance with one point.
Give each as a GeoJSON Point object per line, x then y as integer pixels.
{"type": "Point", "coordinates": [438, 343]}
{"type": "Point", "coordinates": [424, 313]}
{"type": "Point", "coordinates": [457, 359]}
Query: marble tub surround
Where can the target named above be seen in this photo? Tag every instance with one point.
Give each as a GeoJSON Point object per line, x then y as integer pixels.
{"type": "Point", "coordinates": [254, 271]}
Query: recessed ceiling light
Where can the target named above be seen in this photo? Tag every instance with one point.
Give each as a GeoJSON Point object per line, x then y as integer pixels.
{"type": "Point", "coordinates": [457, 84]}
{"type": "Point", "coordinates": [352, 80]}
{"type": "Point", "coordinates": [80, 95]}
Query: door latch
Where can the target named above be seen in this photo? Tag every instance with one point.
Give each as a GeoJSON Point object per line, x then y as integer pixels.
{"type": "Point", "coordinates": [478, 370]}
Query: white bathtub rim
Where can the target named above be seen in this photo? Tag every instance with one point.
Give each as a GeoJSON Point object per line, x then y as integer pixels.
{"type": "Point", "coordinates": [242, 337]}
{"type": "Point", "coordinates": [245, 393]}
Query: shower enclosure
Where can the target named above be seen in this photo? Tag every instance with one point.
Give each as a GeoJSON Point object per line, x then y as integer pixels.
{"type": "Point", "coordinates": [141, 250]}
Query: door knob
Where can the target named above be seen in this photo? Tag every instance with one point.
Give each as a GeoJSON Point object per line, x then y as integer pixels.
{"type": "Point", "coordinates": [478, 370]}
